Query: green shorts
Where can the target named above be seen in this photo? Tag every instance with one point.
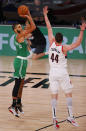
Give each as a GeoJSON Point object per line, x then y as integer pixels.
{"type": "Point", "coordinates": [20, 66]}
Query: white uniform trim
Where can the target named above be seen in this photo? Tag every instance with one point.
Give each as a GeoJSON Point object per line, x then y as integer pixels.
{"type": "Point", "coordinates": [21, 68]}
{"type": "Point", "coordinates": [18, 77]}
{"type": "Point", "coordinates": [23, 58]}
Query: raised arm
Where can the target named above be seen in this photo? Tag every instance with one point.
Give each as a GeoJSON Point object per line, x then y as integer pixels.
{"type": "Point", "coordinates": [50, 32]}
{"type": "Point", "coordinates": [78, 42]}
{"type": "Point", "coordinates": [30, 26]}
{"type": "Point", "coordinates": [30, 23]}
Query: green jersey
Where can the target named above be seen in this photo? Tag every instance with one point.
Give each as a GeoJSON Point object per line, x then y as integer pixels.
{"type": "Point", "coordinates": [20, 62]}
{"type": "Point", "coordinates": [21, 48]}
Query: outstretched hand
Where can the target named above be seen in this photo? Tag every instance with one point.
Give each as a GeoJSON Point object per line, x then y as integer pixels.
{"type": "Point", "coordinates": [28, 12]}
{"type": "Point", "coordinates": [45, 10]}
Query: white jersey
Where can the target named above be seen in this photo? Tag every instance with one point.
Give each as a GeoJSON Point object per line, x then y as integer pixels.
{"type": "Point", "coordinates": [56, 57]}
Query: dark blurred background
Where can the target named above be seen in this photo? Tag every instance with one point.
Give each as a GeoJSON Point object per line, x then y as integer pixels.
{"type": "Point", "coordinates": [61, 12]}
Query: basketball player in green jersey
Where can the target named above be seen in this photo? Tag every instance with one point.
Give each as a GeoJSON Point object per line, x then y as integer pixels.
{"type": "Point", "coordinates": [20, 63]}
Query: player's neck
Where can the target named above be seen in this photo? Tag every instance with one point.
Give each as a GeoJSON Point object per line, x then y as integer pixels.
{"type": "Point", "coordinates": [58, 44]}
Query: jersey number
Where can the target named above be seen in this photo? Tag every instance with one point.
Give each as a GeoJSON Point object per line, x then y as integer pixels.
{"type": "Point", "coordinates": [54, 58]}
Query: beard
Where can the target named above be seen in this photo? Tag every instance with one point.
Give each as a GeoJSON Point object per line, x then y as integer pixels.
{"type": "Point", "coordinates": [18, 31]}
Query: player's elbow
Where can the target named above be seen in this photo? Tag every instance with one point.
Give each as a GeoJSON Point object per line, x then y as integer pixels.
{"type": "Point", "coordinates": [76, 45]}
{"type": "Point", "coordinates": [78, 42]}
{"type": "Point", "coordinates": [33, 27]}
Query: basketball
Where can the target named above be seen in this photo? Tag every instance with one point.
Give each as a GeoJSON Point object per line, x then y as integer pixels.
{"type": "Point", "coordinates": [22, 10]}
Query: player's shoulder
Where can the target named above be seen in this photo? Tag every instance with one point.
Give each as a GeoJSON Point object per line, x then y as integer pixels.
{"type": "Point", "coordinates": [65, 46]}
{"type": "Point", "coordinates": [64, 49]}
{"type": "Point", "coordinates": [15, 37]}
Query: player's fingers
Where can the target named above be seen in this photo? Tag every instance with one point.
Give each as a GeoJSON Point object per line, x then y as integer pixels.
{"type": "Point", "coordinates": [46, 7]}
{"type": "Point", "coordinates": [22, 16]}
{"type": "Point", "coordinates": [28, 12]}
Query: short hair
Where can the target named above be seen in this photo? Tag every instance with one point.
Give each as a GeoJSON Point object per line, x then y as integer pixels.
{"type": "Point", "coordinates": [14, 26]}
{"type": "Point", "coordinates": [59, 37]}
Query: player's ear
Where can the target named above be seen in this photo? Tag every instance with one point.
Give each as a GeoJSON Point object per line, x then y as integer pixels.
{"type": "Point", "coordinates": [15, 30]}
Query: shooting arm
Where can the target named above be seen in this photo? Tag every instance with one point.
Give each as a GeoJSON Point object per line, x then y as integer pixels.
{"type": "Point", "coordinates": [31, 25]}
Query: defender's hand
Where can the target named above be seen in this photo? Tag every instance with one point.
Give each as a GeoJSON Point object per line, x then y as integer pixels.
{"type": "Point", "coordinates": [45, 10]}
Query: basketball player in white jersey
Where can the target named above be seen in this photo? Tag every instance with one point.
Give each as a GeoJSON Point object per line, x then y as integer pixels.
{"type": "Point", "coordinates": [58, 75]}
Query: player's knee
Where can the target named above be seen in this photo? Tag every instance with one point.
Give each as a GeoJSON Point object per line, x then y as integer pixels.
{"type": "Point", "coordinates": [34, 57]}
{"type": "Point", "coordinates": [22, 83]}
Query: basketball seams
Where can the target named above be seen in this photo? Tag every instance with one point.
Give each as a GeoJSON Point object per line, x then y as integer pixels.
{"type": "Point", "coordinates": [23, 10]}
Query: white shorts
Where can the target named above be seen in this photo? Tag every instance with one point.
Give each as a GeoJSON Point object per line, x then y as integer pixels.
{"type": "Point", "coordinates": [59, 78]}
